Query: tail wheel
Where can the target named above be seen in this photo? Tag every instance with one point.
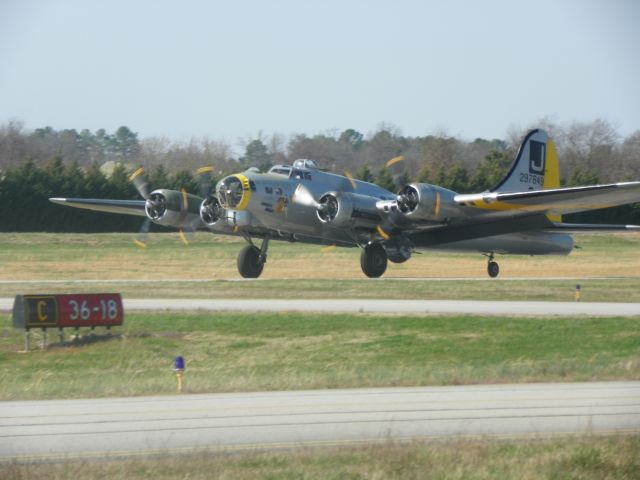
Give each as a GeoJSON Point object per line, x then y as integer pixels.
{"type": "Point", "coordinates": [493, 269]}
{"type": "Point", "coordinates": [249, 263]}
{"type": "Point", "coordinates": [373, 260]}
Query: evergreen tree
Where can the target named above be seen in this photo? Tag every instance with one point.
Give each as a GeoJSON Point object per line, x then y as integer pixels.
{"type": "Point", "coordinates": [184, 179]}
{"type": "Point", "coordinates": [257, 155]}
{"type": "Point", "coordinates": [457, 179]}
{"type": "Point", "coordinates": [364, 174]}
{"type": "Point", "coordinates": [385, 180]}
{"type": "Point", "coordinates": [158, 178]}
{"type": "Point", "coordinates": [94, 183]}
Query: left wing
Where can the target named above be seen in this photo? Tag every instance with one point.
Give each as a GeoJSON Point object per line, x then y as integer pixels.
{"type": "Point", "coordinates": [557, 201]}
{"type": "Point", "coordinates": [127, 207]}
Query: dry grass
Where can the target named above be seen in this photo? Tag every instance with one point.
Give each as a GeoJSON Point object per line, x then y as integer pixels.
{"type": "Point", "coordinates": [582, 458]}
{"type": "Point", "coordinates": [113, 256]}
{"type": "Point", "coordinates": [207, 269]}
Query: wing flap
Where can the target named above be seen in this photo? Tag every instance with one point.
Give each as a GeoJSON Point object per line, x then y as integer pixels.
{"type": "Point", "coordinates": [127, 207]}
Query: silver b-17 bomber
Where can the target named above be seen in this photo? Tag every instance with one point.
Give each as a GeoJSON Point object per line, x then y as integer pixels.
{"type": "Point", "coordinates": [301, 203]}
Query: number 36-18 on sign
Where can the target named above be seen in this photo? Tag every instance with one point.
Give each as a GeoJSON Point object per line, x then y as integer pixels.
{"type": "Point", "coordinates": [72, 310]}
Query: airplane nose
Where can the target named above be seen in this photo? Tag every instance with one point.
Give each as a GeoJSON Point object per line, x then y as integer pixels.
{"type": "Point", "coordinates": [234, 192]}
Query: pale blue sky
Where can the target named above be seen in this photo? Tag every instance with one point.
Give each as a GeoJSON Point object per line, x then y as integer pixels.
{"type": "Point", "coordinates": [232, 69]}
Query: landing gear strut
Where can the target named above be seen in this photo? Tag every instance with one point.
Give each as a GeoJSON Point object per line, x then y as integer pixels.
{"type": "Point", "coordinates": [251, 259]}
{"type": "Point", "coordinates": [373, 260]}
{"type": "Point", "coordinates": [493, 269]}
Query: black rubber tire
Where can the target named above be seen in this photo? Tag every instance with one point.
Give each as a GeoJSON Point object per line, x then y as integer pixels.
{"type": "Point", "coordinates": [249, 264]}
{"type": "Point", "coordinates": [493, 269]}
{"type": "Point", "coordinates": [373, 260]}
{"type": "Point", "coordinates": [397, 259]}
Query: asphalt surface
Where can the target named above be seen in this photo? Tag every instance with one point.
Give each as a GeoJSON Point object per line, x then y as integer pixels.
{"type": "Point", "coordinates": [474, 307]}
{"type": "Point", "coordinates": [113, 427]}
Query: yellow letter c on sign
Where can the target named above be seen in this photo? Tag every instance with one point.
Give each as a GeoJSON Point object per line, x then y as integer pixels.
{"type": "Point", "coordinates": [43, 317]}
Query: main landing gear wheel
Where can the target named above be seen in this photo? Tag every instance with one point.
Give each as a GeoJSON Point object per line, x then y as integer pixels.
{"type": "Point", "coordinates": [373, 260]}
{"type": "Point", "coordinates": [250, 263]}
{"type": "Point", "coordinates": [493, 269]}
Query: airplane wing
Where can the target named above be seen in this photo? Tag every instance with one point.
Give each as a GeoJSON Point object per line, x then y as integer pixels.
{"type": "Point", "coordinates": [127, 207]}
{"type": "Point", "coordinates": [499, 213]}
{"type": "Point", "coordinates": [557, 201]}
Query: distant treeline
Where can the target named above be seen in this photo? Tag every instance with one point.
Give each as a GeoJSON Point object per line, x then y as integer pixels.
{"type": "Point", "coordinates": [48, 163]}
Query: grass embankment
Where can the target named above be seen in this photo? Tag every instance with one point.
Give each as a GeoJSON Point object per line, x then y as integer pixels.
{"type": "Point", "coordinates": [570, 458]}
{"type": "Point", "coordinates": [303, 271]}
{"type": "Point", "coordinates": [246, 352]}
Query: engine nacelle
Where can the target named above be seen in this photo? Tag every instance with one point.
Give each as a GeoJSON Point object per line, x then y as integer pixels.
{"type": "Point", "coordinates": [342, 209]}
{"type": "Point", "coordinates": [212, 213]}
{"type": "Point", "coordinates": [172, 208]}
{"type": "Point", "coordinates": [422, 201]}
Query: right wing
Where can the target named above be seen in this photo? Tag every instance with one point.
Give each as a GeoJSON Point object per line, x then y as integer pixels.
{"type": "Point", "coordinates": [557, 201]}
{"type": "Point", "coordinates": [127, 207]}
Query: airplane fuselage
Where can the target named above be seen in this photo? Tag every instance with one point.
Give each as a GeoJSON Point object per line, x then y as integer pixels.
{"type": "Point", "coordinates": [263, 204]}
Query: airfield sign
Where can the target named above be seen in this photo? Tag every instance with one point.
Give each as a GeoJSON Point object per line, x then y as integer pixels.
{"type": "Point", "coordinates": [70, 310]}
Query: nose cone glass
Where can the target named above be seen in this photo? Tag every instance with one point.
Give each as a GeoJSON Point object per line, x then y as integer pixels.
{"type": "Point", "coordinates": [230, 192]}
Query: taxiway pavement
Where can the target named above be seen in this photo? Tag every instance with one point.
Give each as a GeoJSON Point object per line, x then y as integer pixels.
{"type": "Point", "coordinates": [472, 307]}
{"type": "Point", "coordinates": [112, 427]}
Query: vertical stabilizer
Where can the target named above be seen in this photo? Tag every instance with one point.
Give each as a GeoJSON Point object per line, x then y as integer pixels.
{"type": "Point", "coordinates": [535, 167]}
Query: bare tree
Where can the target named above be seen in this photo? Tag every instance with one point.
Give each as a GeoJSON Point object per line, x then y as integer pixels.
{"type": "Point", "coordinates": [13, 144]}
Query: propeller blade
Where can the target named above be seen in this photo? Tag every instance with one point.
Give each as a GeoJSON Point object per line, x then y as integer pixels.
{"type": "Point", "coordinates": [382, 233]}
{"type": "Point", "coordinates": [140, 182]}
{"type": "Point", "coordinates": [347, 174]}
{"type": "Point", "coordinates": [205, 180]}
{"type": "Point", "coordinates": [303, 196]}
{"type": "Point", "coordinates": [328, 248]}
{"type": "Point", "coordinates": [143, 234]}
{"type": "Point", "coordinates": [183, 237]}
{"type": "Point", "coordinates": [394, 160]}
{"type": "Point", "coordinates": [396, 173]}
{"type": "Point", "coordinates": [184, 206]}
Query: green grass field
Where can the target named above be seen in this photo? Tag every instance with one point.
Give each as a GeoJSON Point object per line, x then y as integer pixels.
{"type": "Point", "coordinates": [246, 352]}
{"type": "Point", "coordinates": [607, 267]}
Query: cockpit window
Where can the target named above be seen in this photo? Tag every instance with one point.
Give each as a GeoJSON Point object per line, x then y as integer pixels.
{"type": "Point", "coordinates": [306, 163]}
{"type": "Point", "coordinates": [281, 170]}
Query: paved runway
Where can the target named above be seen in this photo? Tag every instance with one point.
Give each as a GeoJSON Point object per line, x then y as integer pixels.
{"type": "Point", "coordinates": [474, 307]}
{"type": "Point", "coordinates": [252, 421]}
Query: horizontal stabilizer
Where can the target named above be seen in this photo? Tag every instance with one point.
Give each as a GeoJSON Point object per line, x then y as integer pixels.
{"type": "Point", "coordinates": [127, 207]}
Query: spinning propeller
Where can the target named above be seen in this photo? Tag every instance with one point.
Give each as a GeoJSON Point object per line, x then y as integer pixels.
{"type": "Point", "coordinates": [210, 210]}
{"type": "Point", "coordinates": [155, 207]}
